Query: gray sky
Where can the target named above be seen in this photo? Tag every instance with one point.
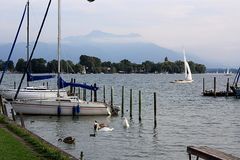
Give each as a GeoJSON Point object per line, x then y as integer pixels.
{"type": "Point", "coordinates": [209, 29]}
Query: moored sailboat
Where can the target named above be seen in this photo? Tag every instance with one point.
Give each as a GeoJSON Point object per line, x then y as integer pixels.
{"type": "Point", "coordinates": [63, 105]}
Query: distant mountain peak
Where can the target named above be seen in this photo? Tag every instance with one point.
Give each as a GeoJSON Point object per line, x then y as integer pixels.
{"type": "Point", "coordinates": [98, 34]}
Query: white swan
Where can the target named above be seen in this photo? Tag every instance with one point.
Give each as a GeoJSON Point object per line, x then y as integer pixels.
{"type": "Point", "coordinates": [125, 122]}
{"type": "Point", "coordinates": [102, 127]}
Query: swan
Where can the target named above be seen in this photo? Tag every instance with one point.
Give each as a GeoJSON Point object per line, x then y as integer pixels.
{"type": "Point", "coordinates": [102, 127]}
{"type": "Point", "coordinates": [125, 122]}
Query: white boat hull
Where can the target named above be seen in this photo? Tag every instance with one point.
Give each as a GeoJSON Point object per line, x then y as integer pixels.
{"type": "Point", "coordinates": [31, 94]}
{"type": "Point", "coordinates": [66, 108]}
{"type": "Point", "coordinates": [183, 81]}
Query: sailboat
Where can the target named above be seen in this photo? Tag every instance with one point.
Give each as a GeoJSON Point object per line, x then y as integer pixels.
{"type": "Point", "coordinates": [187, 71]}
{"type": "Point", "coordinates": [227, 73]}
{"type": "Point", "coordinates": [29, 92]}
{"type": "Point", "coordinates": [63, 105]}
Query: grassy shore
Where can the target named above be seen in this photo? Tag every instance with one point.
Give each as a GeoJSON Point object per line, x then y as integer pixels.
{"type": "Point", "coordinates": [33, 146]}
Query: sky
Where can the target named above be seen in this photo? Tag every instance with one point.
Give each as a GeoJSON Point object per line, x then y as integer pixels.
{"type": "Point", "coordinates": [209, 29]}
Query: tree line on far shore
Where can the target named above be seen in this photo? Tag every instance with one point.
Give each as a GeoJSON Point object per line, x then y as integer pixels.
{"type": "Point", "coordinates": [91, 64]}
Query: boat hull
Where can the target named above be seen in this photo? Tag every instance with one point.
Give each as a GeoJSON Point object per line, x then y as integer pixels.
{"type": "Point", "coordinates": [182, 81]}
{"type": "Point", "coordinates": [60, 108]}
{"type": "Point", "coordinates": [31, 94]}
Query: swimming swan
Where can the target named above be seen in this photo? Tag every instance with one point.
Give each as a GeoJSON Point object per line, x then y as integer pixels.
{"type": "Point", "coordinates": [101, 127]}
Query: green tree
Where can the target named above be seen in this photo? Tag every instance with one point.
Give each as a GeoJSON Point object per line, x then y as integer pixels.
{"type": "Point", "coordinates": [38, 65]}
{"type": "Point", "coordinates": [52, 66]}
{"type": "Point", "coordinates": [20, 65]}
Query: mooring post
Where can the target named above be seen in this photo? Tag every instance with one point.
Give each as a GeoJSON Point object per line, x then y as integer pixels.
{"type": "Point", "coordinates": [155, 110]}
{"type": "Point", "coordinates": [79, 93]}
{"type": "Point", "coordinates": [13, 116]}
{"type": "Point", "coordinates": [112, 96]}
{"type": "Point", "coordinates": [214, 89]}
{"type": "Point", "coordinates": [84, 94]}
{"type": "Point", "coordinates": [14, 85]}
{"type": "Point", "coordinates": [140, 106]}
{"type": "Point", "coordinates": [47, 85]}
{"type": "Point", "coordinates": [71, 88]}
{"type": "Point", "coordinates": [22, 121]}
{"type": "Point", "coordinates": [74, 88]}
{"type": "Point", "coordinates": [122, 101]}
{"type": "Point", "coordinates": [95, 93]}
{"type": "Point", "coordinates": [81, 156]}
{"type": "Point", "coordinates": [91, 95]}
{"type": "Point", "coordinates": [104, 94]}
{"type": "Point", "coordinates": [131, 98]}
{"type": "Point", "coordinates": [227, 87]}
{"type": "Point", "coordinates": [203, 86]}
{"type": "Point", "coordinates": [43, 83]}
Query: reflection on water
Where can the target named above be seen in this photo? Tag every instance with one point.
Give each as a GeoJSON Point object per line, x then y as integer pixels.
{"type": "Point", "coordinates": [184, 118]}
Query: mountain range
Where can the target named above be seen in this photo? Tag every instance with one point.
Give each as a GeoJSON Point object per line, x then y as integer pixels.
{"type": "Point", "coordinates": [106, 46]}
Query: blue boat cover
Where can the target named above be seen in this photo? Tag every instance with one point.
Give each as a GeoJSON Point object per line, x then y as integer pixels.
{"type": "Point", "coordinates": [63, 84]}
{"type": "Point", "coordinates": [39, 77]}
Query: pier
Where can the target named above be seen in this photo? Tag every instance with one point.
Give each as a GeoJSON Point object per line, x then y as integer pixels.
{"type": "Point", "coordinates": [208, 153]}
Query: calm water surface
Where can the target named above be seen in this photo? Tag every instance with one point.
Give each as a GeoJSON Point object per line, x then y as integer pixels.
{"type": "Point", "coordinates": [184, 118]}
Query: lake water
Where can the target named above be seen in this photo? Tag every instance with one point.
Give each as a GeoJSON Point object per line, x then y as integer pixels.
{"type": "Point", "coordinates": [184, 117]}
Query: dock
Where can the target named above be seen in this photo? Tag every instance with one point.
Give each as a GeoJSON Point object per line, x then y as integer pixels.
{"type": "Point", "coordinates": [208, 153]}
{"type": "Point", "coordinates": [211, 93]}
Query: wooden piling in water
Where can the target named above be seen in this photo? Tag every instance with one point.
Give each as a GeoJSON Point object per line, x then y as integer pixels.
{"type": "Point", "coordinates": [14, 85]}
{"type": "Point", "coordinates": [140, 106]}
{"type": "Point", "coordinates": [71, 88]}
{"type": "Point", "coordinates": [203, 85]}
{"type": "Point", "coordinates": [95, 93]}
{"type": "Point", "coordinates": [104, 94]}
{"type": "Point", "coordinates": [91, 95]}
{"type": "Point", "coordinates": [74, 88]}
{"type": "Point", "coordinates": [112, 96]}
{"type": "Point", "coordinates": [13, 116]}
{"type": "Point", "coordinates": [214, 86]}
{"type": "Point", "coordinates": [81, 156]}
{"type": "Point", "coordinates": [84, 94]}
{"type": "Point", "coordinates": [22, 120]}
{"type": "Point", "coordinates": [79, 93]}
{"type": "Point", "coordinates": [122, 101]}
{"type": "Point", "coordinates": [155, 110]}
{"type": "Point", "coordinates": [131, 99]}
{"type": "Point", "coordinates": [47, 85]}
{"type": "Point", "coordinates": [227, 87]}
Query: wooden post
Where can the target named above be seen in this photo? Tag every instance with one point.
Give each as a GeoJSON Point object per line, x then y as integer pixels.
{"type": "Point", "coordinates": [190, 157]}
{"type": "Point", "coordinates": [84, 94]}
{"type": "Point", "coordinates": [91, 95]}
{"type": "Point", "coordinates": [122, 101]}
{"type": "Point", "coordinates": [79, 93]}
{"type": "Point", "coordinates": [227, 87]}
{"type": "Point", "coordinates": [104, 94]}
{"type": "Point", "coordinates": [43, 83]}
{"type": "Point", "coordinates": [155, 110]}
{"type": "Point", "coordinates": [81, 156]}
{"type": "Point", "coordinates": [14, 85]}
{"type": "Point", "coordinates": [13, 116]}
{"type": "Point", "coordinates": [74, 88]}
{"type": "Point", "coordinates": [47, 85]}
{"type": "Point", "coordinates": [140, 105]}
{"type": "Point", "coordinates": [214, 88]}
{"type": "Point", "coordinates": [95, 93]}
{"type": "Point", "coordinates": [112, 96]}
{"type": "Point", "coordinates": [71, 88]}
{"type": "Point", "coordinates": [203, 86]}
{"type": "Point", "coordinates": [131, 103]}
{"type": "Point", "coordinates": [22, 121]}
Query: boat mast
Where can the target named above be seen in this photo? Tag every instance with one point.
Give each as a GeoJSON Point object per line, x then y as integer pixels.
{"type": "Point", "coordinates": [59, 44]}
{"type": "Point", "coordinates": [28, 36]}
